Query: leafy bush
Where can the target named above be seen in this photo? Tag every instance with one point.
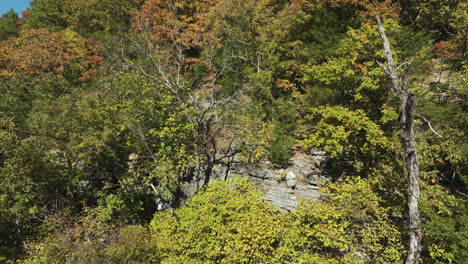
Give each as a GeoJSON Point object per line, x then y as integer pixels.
{"type": "Point", "coordinates": [348, 226]}
{"type": "Point", "coordinates": [345, 134]}
{"type": "Point", "coordinates": [226, 223]}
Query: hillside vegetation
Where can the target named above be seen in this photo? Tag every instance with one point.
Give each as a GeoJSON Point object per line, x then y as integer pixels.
{"type": "Point", "coordinates": [108, 106]}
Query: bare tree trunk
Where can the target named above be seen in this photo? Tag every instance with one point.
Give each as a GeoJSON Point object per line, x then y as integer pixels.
{"type": "Point", "coordinates": [408, 142]}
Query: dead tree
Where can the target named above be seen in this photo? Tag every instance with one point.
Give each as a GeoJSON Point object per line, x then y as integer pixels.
{"type": "Point", "coordinates": [400, 86]}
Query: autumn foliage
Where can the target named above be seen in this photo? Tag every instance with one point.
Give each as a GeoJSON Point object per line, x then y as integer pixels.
{"type": "Point", "coordinates": [123, 124]}
{"type": "Point", "coordinates": [39, 51]}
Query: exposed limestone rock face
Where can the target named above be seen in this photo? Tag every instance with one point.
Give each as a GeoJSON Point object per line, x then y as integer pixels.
{"type": "Point", "coordinates": [291, 179]}
{"type": "Point", "coordinates": [280, 195]}
{"type": "Point", "coordinates": [283, 187]}
{"type": "Point", "coordinates": [319, 156]}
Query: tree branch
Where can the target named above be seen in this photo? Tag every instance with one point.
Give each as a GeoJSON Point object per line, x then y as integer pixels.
{"type": "Point", "coordinates": [429, 124]}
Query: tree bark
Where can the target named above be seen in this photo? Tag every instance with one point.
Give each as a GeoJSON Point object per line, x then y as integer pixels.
{"type": "Point", "coordinates": [406, 99]}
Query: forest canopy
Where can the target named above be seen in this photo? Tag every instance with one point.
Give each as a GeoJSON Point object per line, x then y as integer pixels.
{"type": "Point", "coordinates": [108, 107]}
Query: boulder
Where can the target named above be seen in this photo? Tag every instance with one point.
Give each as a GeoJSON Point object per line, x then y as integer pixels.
{"type": "Point", "coordinates": [291, 179]}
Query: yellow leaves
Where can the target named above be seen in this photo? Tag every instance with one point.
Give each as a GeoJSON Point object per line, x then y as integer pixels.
{"type": "Point", "coordinates": [179, 4]}
{"type": "Point", "coordinates": [440, 254]}
{"type": "Point", "coordinates": [254, 135]}
{"type": "Point", "coordinates": [76, 44]}
{"type": "Point", "coordinates": [331, 72]}
{"type": "Point", "coordinates": [349, 220]}
{"type": "Point", "coordinates": [341, 131]}
{"type": "Point", "coordinates": [228, 222]}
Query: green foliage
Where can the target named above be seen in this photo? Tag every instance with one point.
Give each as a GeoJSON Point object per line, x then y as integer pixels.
{"type": "Point", "coordinates": [46, 13]}
{"type": "Point", "coordinates": [444, 171]}
{"type": "Point", "coordinates": [161, 131]}
{"type": "Point", "coordinates": [229, 222]}
{"type": "Point", "coordinates": [445, 225]}
{"type": "Point", "coordinates": [27, 184]}
{"type": "Point", "coordinates": [8, 25]}
{"type": "Point", "coordinates": [351, 74]}
{"type": "Point", "coordinates": [91, 241]}
{"type": "Point", "coordinates": [226, 223]}
{"type": "Point", "coordinates": [349, 226]}
{"type": "Point", "coordinates": [107, 107]}
{"type": "Point", "coordinates": [18, 96]}
{"type": "Point", "coordinates": [119, 205]}
{"type": "Point", "coordinates": [88, 17]}
{"type": "Point", "coordinates": [280, 149]}
{"type": "Point", "coordinates": [253, 135]}
{"type": "Point", "coordinates": [345, 135]}
{"type": "Point", "coordinates": [133, 245]}
{"type": "Point", "coordinates": [285, 116]}
{"type": "Point", "coordinates": [436, 14]}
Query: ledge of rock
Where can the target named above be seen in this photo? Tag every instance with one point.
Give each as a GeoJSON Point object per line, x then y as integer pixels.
{"type": "Point", "coordinates": [285, 187]}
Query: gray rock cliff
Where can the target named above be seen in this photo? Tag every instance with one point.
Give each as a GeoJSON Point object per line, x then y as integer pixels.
{"type": "Point", "coordinates": [285, 187]}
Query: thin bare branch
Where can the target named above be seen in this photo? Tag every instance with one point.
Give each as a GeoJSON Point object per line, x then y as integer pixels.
{"type": "Point", "coordinates": [429, 124]}
{"type": "Point", "coordinates": [404, 64]}
{"type": "Point", "coordinates": [453, 186]}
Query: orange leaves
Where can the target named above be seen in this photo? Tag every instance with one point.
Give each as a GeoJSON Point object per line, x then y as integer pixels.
{"type": "Point", "coordinates": [25, 14]}
{"type": "Point", "coordinates": [5, 59]}
{"type": "Point", "coordinates": [448, 50]}
{"type": "Point", "coordinates": [93, 60]}
{"type": "Point", "coordinates": [158, 20]}
{"type": "Point", "coordinates": [177, 32]}
{"type": "Point", "coordinates": [175, 22]}
{"type": "Point", "coordinates": [371, 8]}
{"type": "Point", "coordinates": [39, 51]}
{"type": "Point", "coordinates": [284, 84]}
{"type": "Point", "coordinates": [153, 13]}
